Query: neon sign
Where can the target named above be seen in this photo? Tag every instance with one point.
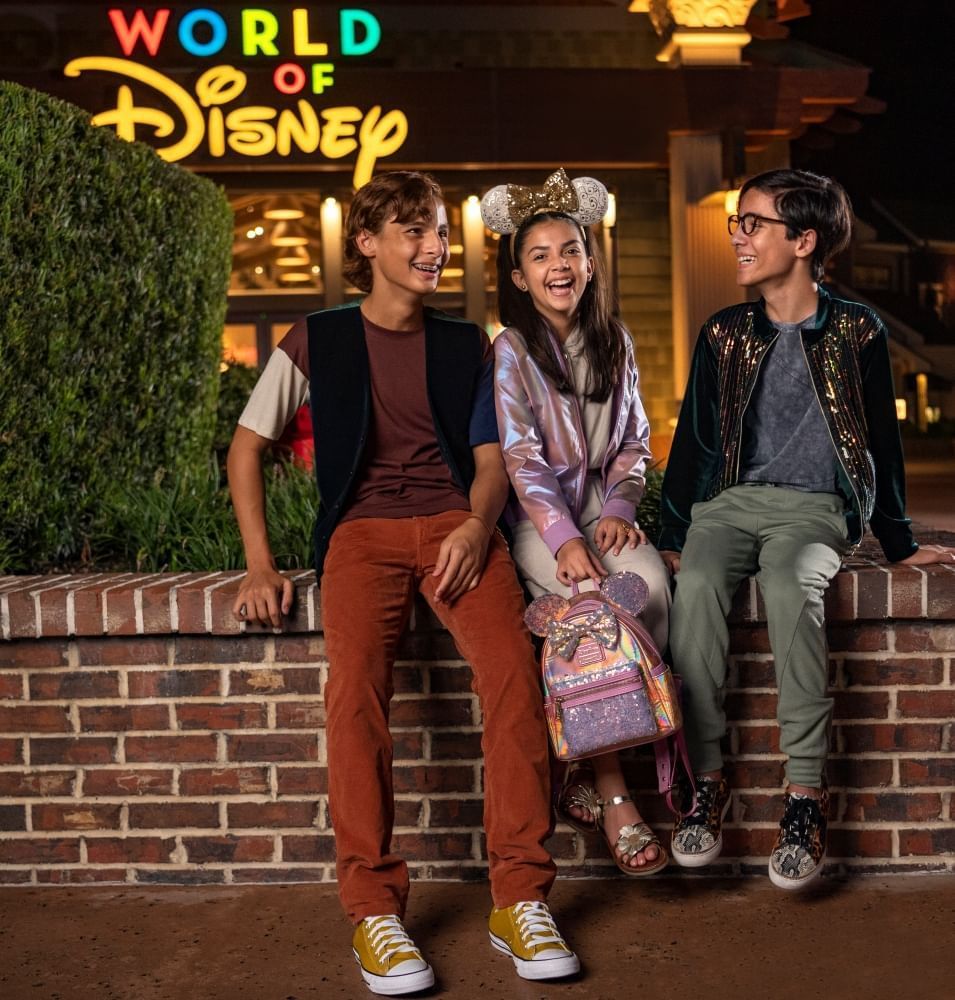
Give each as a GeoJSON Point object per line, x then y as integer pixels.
{"type": "Point", "coordinates": [210, 119]}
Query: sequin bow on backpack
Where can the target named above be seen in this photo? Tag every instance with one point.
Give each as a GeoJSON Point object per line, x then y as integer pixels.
{"type": "Point", "coordinates": [606, 686]}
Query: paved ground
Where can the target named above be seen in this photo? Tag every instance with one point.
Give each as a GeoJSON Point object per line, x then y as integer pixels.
{"type": "Point", "coordinates": [869, 937]}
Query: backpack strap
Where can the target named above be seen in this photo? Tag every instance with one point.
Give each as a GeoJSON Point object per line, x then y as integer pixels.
{"type": "Point", "coordinates": [669, 752]}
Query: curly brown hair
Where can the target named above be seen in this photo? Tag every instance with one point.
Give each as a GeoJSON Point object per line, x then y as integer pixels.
{"type": "Point", "coordinates": [396, 196]}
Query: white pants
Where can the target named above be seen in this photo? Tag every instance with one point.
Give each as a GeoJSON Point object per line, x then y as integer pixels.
{"type": "Point", "coordinates": [538, 568]}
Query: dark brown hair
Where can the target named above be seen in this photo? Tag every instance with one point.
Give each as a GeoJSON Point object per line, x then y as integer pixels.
{"type": "Point", "coordinates": [603, 335]}
{"type": "Point", "coordinates": [399, 196]}
{"type": "Point", "coordinates": [809, 201]}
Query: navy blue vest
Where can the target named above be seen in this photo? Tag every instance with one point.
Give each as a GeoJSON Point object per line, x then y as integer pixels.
{"type": "Point", "coordinates": [340, 393]}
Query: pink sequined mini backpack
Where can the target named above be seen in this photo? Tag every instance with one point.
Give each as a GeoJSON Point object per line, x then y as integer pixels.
{"type": "Point", "coordinates": [606, 686]}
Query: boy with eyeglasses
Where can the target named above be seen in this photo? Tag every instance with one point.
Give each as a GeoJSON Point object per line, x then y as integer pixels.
{"type": "Point", "coordinates": [786, 445]}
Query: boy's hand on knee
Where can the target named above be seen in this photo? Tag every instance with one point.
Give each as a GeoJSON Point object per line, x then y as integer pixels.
{"type": "Point", "coordinates": [461, 560]}
{"type": "Point", "coordinates": [671, 560]}
{"type": "Point", "coordinates": [264, 596]}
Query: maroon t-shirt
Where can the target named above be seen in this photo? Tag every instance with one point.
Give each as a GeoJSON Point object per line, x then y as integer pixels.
{"type": "Point", "coordinates": [403, 474]}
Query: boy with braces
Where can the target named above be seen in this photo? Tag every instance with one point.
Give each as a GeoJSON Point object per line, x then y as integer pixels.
{"type": "Point", "coordinates": [412, 483]}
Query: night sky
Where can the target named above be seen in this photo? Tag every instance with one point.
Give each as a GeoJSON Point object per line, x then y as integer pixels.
{"type": "Point", "coordinates": [906, 152]}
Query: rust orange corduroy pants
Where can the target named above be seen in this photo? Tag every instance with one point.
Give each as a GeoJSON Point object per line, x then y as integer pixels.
{"type": "Point", "coordinates": [373, 569]}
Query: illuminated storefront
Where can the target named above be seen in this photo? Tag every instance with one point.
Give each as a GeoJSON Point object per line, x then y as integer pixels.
{"type": "Point", "coordinates": [290, 107]}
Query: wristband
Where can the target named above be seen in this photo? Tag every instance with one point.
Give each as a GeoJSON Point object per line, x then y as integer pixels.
{"type": "Point", "coordinates": [477, 517]}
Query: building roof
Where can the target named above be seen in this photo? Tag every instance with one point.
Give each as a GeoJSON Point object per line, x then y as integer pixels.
{"type": "Point", "coordinates": [918, 222]}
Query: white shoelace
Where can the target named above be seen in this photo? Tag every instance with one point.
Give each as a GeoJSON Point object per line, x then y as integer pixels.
{"type": "Point", "coordinates": [388, 937]}
{"type": "Point", "coordinates": [536, 925]}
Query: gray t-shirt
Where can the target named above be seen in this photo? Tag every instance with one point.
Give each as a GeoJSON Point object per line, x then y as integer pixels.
{"type": "Point", "coordinates": [785, 437]}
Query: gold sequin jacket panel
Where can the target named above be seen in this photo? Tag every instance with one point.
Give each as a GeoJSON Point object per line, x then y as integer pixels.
{"type": "Point", "coordinates": [848, 359]}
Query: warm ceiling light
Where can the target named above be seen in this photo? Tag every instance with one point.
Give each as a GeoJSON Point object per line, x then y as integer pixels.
{"type": "Point", "coordinates": [288, 234]}
{"type": "Point", "coordinates": [610, 216]}
{"type": "Point", "coordinates": [295, 277]}
{"type": "Point", "coordinates": [294, 257]}
{"type": "Point", "coordinates": [284, 207]}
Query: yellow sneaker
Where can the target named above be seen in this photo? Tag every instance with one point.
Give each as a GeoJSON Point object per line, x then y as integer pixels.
{"type": "Point", "coordinates": [527, 932]}
{"type": "Point", "coordinates": [390, 962]}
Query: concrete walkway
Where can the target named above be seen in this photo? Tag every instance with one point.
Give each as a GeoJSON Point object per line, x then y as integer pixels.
{"type": "Point", "coordinates": [877, 938]}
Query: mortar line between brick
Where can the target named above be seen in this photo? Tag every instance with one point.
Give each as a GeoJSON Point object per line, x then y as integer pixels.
{"type": "Point", "coordinates": [4, 616]}
{"type": "Point", "coordinates": [37, 616]}
{"type": "Point", "coordinates": [138, 611]}
{"type": "Point", "coordinates": [71, 612]}
{"type": "Point", "coordinates": [310, 608]}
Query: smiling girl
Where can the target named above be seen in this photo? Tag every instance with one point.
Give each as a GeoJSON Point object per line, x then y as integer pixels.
{"type": "Point", "coordinates": [574, 436]}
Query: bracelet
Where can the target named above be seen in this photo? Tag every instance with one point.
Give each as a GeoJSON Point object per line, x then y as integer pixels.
{"type": "Point", "coordinates": [477, 517]}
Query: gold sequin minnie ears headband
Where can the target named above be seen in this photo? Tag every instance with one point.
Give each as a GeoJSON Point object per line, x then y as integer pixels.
{"type": "Point", "coordinates": [505, 207]}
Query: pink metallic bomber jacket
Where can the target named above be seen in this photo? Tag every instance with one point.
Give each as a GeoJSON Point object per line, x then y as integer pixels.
{"type": "Point", "coordinates": [545, 450]}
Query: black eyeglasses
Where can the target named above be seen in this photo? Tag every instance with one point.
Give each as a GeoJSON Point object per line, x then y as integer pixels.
{"type": "Point", "coordinates": [749, 221]}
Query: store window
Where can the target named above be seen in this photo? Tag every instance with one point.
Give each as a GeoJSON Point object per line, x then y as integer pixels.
{"type": "Point", "coordinates": [277, 242]}
{"type": "Point", "coordinates": [240, 344]}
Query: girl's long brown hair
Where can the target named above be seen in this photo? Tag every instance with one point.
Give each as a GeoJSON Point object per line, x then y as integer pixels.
{"type": "Point", "coordinates": [603, 335]}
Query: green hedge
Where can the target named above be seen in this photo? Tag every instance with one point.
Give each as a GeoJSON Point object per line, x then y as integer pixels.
{"type": "Point", "coordinates": [185, 523]}
{"type": "Point", "coordinates": [114, 267]}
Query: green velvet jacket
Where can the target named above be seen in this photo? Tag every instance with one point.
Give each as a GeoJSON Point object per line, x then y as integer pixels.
{"type": "Point", "coordinates": [848, 357]}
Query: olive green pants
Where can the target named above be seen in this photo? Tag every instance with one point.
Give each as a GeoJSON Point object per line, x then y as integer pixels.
{"type": "Point", "coordinates": [794, 543]}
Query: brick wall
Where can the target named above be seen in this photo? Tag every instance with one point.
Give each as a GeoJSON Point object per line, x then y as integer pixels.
{"type": "Point", "coordinates": [144, 738]}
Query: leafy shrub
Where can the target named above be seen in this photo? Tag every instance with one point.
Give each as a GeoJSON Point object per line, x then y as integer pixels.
{"type": "Point", "coordinates": [182, 522]}
{"type": "Point", "coordinates": [114, 267]}
{"type": "Point", "coordinates": [236, 382]}
{"type": "Point", "coordinates": [648, 513]}
{"type": "Point", "coordinates": [185, 522]}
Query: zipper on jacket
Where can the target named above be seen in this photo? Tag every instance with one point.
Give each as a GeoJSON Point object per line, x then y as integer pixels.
{"type": "Point", "coordinates": [582, 437]}
{"type": "Point", "coordinates": [616, 397]}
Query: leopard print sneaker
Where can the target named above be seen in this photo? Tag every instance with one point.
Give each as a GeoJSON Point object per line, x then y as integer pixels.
{"type": "Point", "coordinates": [697, 839]}
{"type": "Point", "coordinates": [800, 849]}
